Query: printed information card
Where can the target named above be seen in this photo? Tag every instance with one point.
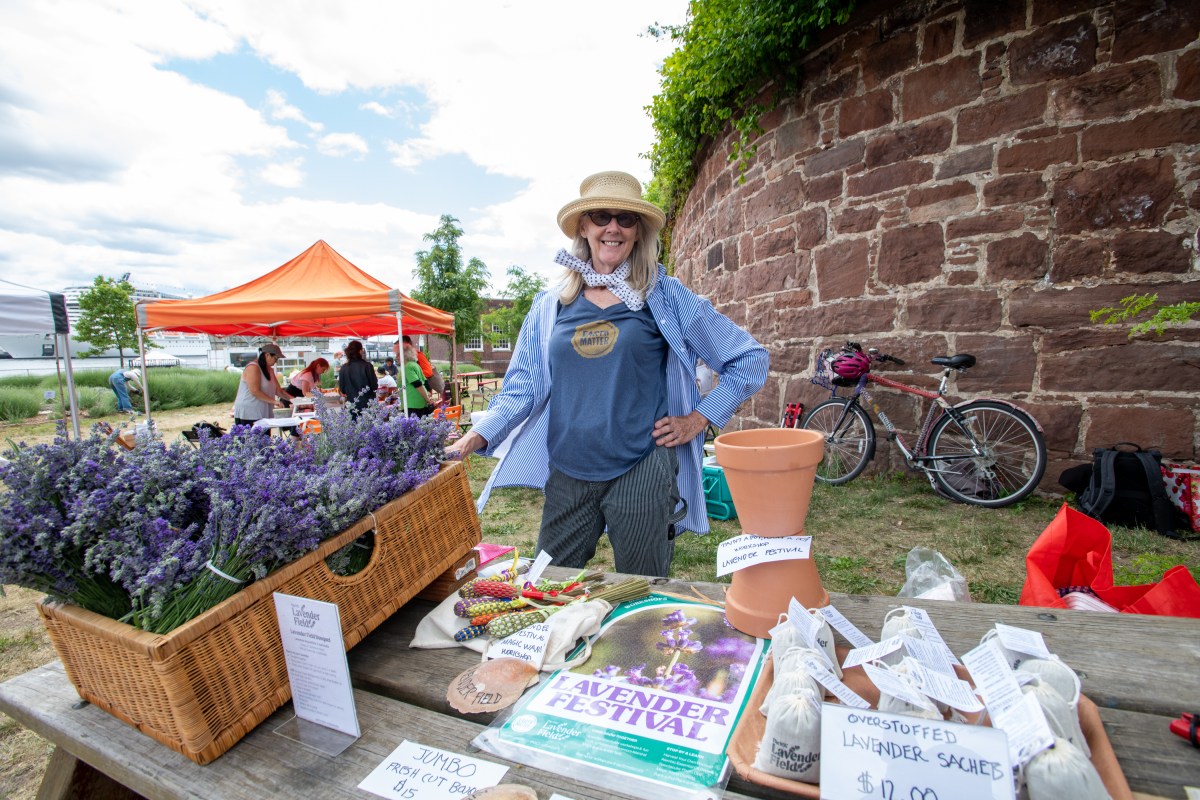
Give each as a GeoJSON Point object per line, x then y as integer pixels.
{"type": "Point", "coordinates": [316, 662]}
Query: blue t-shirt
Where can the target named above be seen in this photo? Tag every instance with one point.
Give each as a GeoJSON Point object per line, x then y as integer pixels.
{"type": "Point", "coordinates": [608, 370]}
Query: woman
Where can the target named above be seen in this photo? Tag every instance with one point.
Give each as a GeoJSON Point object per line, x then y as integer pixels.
{"type": "Point", "coordinates": [124, 381]}
{"type": "Point", "coordinates": [258, 393]}
{"type": "Point", "coordinates": [356, 378]}
{"type": "Point", "coordinates": [308, 380]}
{"type": "Point", "coordinates": [608, 454]}
{"type": "Point", "coordinates": [415, 394]}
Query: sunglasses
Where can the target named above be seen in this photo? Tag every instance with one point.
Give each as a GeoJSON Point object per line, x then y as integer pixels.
{"type": "Point", "coordinates": [626, 219]}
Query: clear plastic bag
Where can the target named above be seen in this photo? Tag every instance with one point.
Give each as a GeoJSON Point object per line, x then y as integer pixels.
{"type": "Point", "coordinates": [931, 577]}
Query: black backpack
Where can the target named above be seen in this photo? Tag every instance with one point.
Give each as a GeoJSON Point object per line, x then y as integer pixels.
{"type": "Point", "coordinates": [1125, 487]}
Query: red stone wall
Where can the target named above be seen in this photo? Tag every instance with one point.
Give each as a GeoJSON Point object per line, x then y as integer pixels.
{"type": "Point", "coordinates": [975, 177]}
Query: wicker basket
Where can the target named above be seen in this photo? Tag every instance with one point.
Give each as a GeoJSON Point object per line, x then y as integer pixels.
{"type": "Point", "coordinates": [206, 684]}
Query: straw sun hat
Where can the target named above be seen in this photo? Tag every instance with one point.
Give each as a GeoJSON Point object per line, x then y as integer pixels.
{"type": "Point", "coordinates": [617, 190]}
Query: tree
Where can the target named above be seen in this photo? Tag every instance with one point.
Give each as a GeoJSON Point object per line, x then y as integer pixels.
{"type": "Point", "coordinates": [506, 322]}
{"type": "Point", "coordinates": [445, 283]}
{"type": "Point", "coordinates": [1135, 305]}
{"type": "Point", "coordinates": [107, 319]}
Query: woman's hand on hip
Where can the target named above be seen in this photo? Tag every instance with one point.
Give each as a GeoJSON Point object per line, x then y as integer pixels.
{"type": "Point", "coordinates": [674, 431]}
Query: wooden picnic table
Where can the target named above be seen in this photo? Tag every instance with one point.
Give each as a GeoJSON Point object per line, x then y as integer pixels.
{"type": "Point", "coordinates": [483, 385]}
{"type": "Point", "coordinates": [1141, 671]}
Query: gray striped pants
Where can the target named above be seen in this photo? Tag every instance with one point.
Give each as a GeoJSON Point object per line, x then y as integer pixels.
{"type": "Point", "coordinates": [637, 507]}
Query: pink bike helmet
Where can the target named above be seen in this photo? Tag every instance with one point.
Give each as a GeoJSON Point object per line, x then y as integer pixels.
{"type": "Point", "coordinates": [850, 364]}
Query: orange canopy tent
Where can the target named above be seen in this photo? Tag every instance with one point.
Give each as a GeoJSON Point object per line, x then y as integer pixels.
{"type": "Point", "coordinates": [317, 293]}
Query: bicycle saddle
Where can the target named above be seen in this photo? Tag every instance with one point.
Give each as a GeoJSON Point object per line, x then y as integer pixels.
{"type": "Point", "coordinates": [960, 361]}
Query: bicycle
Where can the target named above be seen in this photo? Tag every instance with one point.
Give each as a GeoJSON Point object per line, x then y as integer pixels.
{"type": "Point", "coordinates": [985, 452]}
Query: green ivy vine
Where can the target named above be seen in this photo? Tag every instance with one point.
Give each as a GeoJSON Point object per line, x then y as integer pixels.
{"type": "Point", "coordinates": [727, 50]}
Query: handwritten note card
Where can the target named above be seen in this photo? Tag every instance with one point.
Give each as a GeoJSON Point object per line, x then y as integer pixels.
{"type": "Point", "coordinates": [745, 550]}
{"type": "Point", "coordinates": [872, 754]}
{"type": "Point", "coordinates": [316, 662]}
{"type": "Point", "coordinates": [417, 772]}
{"type": "Point", "coordinates": [527, 644]}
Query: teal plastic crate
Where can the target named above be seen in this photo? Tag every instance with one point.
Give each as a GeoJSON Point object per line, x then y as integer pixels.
{"type": "Point", "coordinates": [716, 494]}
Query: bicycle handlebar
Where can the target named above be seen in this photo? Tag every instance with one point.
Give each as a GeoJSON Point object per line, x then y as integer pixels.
{"type": "Point", "coordinates": [893, 359]}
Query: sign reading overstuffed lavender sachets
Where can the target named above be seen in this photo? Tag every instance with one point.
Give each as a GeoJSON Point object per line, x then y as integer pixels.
{"type": "Point", "coordinates": [651, 710]}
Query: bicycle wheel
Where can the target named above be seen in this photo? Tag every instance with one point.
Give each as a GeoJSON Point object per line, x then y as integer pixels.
{"type": "Point", "coordinates": [1009, 462]}
{"type": "Point", "coordinates": [849, 440]}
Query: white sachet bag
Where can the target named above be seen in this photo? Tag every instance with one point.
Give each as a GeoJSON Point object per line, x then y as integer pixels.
{"type": "Point", "coordinates": [569, 625]}
{"type": "Point", "coordinates": [1056, 673]}
{"type": "Point", "coordinates": [791, 743]}
{"type": "Point", "coordinates": [824, 639]}
{"type": "Point", "coordinates": [784, 636]}
{"type": "Point", "coordinates": [794, 679]}
{"type": "Point", "coordinates": [896, 623]}
{"type": "Point", "coordinates": [1063, 772]}
{"type": "Point", "coordinates": [1062, 716]}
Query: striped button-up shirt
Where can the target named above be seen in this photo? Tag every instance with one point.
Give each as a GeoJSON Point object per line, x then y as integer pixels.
{"type": "Point", "coordinates": [517, 420]}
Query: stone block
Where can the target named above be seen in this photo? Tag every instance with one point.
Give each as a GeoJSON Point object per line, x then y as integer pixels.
{"type": "Point", "coordinates": [1146, 27]}
{"type": "Point", "coordinates": [1151, 425]}
{"type": "Point", "coordinates": [1134, 194]}
{"type": "Point", "coordinates": [865, 112]}
{"type": "Point", "coordinates": [798, 135]}
{"type": "Point", "coordinates": [774, 243]}
{"type": "Point", "coordinates": [1005, 365]}
{"type": "Point", "coordinates": [911, 254]}
{"type": "Point", "coordinates": [775, 200]}
{"type": "Point", "coordinates": [987, 19]}
{"type": "Point", "coordinates": [843, 85]}
{"type": "Point", "coordinates": [1133, 367]}
{"type": "Point", "coordinates": [1078, 257]}
{"type": "Point", "coordinates": [840, 156]}
{"type": "Point", "coordinates": [940, 87]}
{"type": "Point", "coordinates": [1050, 10]}
{"type": "Point", "coordinates": [1013, 189]}
{"type": "Point", "coordinates": [714, 259]}
{"type": "Point", "coordinates": [1145, 252]}
{"type": "Point", "coordinates": [983, 224]}
{"type": "Point", "coordinates": [1002, 116]}
{"type": "Point", "coordinates": [966, 161]}
{"type": "Point", "coordinates": [1152, 129]}
{"type": "Point", "coordinates": [1021, 257]}
{"type": "Point", "coordinates": [1053, 51]}
{"type": "Point", "coordinates": [857, 220]}
{"type": "Point", "coordinates": [902, 144]}
{"type": "Point", "coordinates": [764, 277]}
{"type": "Point", "coordinates": [810, 227]}
{"type": "Point", "coordinates": [883, 59]}
{"type": "Point", "coordinates": [1035, 156]}
{"type": "Point", "coordinates": [939, 40]}
{"type": "Point", "coordinates": [955, 310]}
{"type": "Point", "coordinates": [841, 269]}
{"type": "Point", "coordinates": [845, 319]}
{"type": "Point", "coordinates": [885, 179]}
{"type": "Point", "coordinates": [1187, 76]}
{"type": "Point", "coordinates": [1110, 92]}
{"type": "Point", "coordinates": [824, 188]}
{"type": "Point", "coordinates": [1066, 308]}
{"type": "Point", "coordinates": [1060, 428]}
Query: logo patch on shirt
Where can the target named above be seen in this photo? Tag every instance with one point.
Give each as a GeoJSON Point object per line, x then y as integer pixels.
{"type": "Point", "coordinates": [595, 339]}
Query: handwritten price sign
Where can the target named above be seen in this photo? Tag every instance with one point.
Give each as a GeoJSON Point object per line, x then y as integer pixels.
{"type": "Point", "coordinates": [880, 756]}
{"type": "Point", "coordinates": [417, 772]}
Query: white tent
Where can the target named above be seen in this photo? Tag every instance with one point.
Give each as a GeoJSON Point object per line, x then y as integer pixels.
{"type": "Point", "coordinates": [24, 310]}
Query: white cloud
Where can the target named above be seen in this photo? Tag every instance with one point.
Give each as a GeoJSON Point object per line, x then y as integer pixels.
{"type": "Point", "coordinates": [342, 144]}
{"type": "Point", "coordinates": [281, 109]}
{"type": "Point", "coordinates": [285, 174]}
{"type": "Point", "coordinates": [111, 163]}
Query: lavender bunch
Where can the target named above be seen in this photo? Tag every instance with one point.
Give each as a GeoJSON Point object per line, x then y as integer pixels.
{"type": "Point", "coordinates": [41, 488]}
{"type": "Point", "coordinates": [143, 528]}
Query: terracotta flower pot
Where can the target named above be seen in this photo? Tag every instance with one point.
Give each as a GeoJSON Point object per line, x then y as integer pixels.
{"type": "Point", "coordinates": [770, 473]}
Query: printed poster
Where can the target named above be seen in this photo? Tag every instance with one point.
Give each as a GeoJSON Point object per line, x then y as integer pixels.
{"type": "Point", "coordinates": [652, 708]}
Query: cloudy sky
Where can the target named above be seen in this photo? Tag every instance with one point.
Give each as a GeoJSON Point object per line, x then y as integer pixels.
{"type": "Point", "coordinates": [198, 144]}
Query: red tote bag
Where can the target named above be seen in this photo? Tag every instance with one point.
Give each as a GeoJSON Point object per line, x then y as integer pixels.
{"type": "Point", "coordinates": [1075, 552]}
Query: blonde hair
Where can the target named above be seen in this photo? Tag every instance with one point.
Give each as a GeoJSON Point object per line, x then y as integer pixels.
{"type": "Point", "coordinates": [643, 264]}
